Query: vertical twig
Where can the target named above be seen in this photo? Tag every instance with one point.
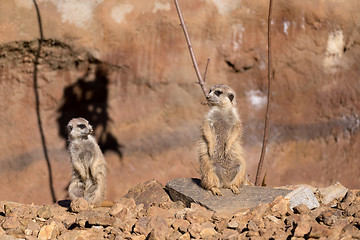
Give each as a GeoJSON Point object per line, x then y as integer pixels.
{"type": "Point", "coordinates": [207, 64]}
{"type": "Point", "coordinates": [37, 102]}
{"type": "Point", "coordinates": [258, 173]}
{"type": "Point", "coordinates": [201, 82]}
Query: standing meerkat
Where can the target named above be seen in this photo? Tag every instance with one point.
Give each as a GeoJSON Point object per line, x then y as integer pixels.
{"type": "Point", "coordinates": [87, 163]}
{"type": "Point", "coordinates": [222, 164]}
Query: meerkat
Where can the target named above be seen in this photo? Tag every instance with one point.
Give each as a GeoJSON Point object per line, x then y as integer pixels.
{"type": "Point", "coordinates": [222, 164]}
{"type": "Point", "coordinates": [88, 164]}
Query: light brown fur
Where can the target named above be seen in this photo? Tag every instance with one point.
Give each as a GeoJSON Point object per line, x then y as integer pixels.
{"type": "Point", "coordinates": [87, 163]}
{"type": "Point", "coordinates": [222, 164]}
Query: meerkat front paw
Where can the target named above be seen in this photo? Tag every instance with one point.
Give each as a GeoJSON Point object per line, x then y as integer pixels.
{"type": "Point", "coordinates": [234, 189]}
{"type": "Point", "coordinates": [216, 191]}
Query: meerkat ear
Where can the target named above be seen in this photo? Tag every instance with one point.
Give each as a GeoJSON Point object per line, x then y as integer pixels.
{"type": "Point", "coordinates": [69, 128]}
{"type": "Point", "coordinates": [231, 97]}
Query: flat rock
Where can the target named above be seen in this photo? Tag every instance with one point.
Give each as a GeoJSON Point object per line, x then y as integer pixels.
{"type": "Point", "coordinates": [335, 191]}
{"type": "Point", "coordinates": [303, 195]}
{"type": "Point", "coordinates": [188, 190]}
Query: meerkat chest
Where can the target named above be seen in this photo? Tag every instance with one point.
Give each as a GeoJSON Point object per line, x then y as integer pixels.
{"type": "Point", "coordinates": [222, 122]}
{"type": "Point", "coordinates": [82, 151]}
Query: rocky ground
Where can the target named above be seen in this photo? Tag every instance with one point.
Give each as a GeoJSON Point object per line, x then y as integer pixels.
{"type": "Point", "coordinates": [125, 66]}
{"type": "Point", "coordinates": [147, 212]}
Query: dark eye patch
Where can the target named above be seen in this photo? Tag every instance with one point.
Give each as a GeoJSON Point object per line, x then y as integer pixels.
{"type": "Point", "coordinates": [81, 126]}
{"type": "Point", "coordinates": [218, 93]}
{"type": "Point", "coordinates": [231, 97]}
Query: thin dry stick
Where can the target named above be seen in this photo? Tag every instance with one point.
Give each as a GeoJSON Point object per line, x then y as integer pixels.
{"type": "Point", "coordinates": [37, 102]}
{"type": "Point", "coordinates": [201, 82]}
{"type": "Point", "coordinates": [257, 182]}
{"type": "Point", "coordinates": [207, 64]}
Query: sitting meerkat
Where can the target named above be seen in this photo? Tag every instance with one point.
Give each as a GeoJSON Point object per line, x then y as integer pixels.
{"type": "Point", "coordinates": [222, 164]}
{"type": "Point", "coordinates": [87, 163]}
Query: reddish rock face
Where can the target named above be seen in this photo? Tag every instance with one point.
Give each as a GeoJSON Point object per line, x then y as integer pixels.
{"type": "Point", "coordinates": [126, 68]}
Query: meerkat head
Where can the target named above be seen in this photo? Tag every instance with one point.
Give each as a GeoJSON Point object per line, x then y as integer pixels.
{"type": "Point", "coordinates": [79, 128]}
{"type": "Point", "coordinates": [221, 95]}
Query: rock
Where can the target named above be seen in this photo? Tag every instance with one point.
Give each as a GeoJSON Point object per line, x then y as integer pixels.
{"type": "Point", "coordinates": [147, 193]}
{"type": "Point", "coordinates": [136, 237]}
{"type": "Point", "coordinates": [229, 234]}
{"type": "Point", "coordinates": [301, 209]}
{"type": "Point", "coordinates": [198, 214]}
{"type": "Point", "coordinates": [146, 224]}
{"type": "Point", "coordinates": [329, 216]}
{"type": "Point", "coordinates": [303, 228]}
{"type": "Point", "coordinates": [221, 225]}
{"type": "Point", "coordinates": [174, 235]}
{"type": "Point", "coordinates": [188, 190]}
{"type": "Point", "coordinates": [19, 209]}
{"type": "Point", "coordinates": [124, 214]}
{"type": "Point", "coordinates": [280, 207]}
{"type": "Point", "coordinates": [302, 195]}
{"type": "Point", "coordinates": [81, 235]}
{"type": "Point", "coordinates": [95, 217]}
{"type": "Point", "coordinates": [352, 196]}
{"type": "Point", "coordinates": [32, 229]}
{"type": "Point", "coordinates": [194, 230]}
{"type": "Point", "coordinates": [185, 236]}
{"type": "Point", "coordinates": [318, 231]}
{"type": "Point", "coordinates": [7, 237]}
{"type": "Point", "coordinates": [2, 232]}
{"type": "Point", "coordinates": [125, 225]}
{"type": "Point", "coordinates": [157, 211]}
{"type": "Point", "coordinates": [182, 213]}
{"type": "Point", "coordinates": [353, 210]}
{"type": "Point", "coordinates": [48, 231]}
{"type": "Point", "coordinates": [141, 226]}
{"type": "Point", "coordinates": [79, 205]}
{"type": "Point", "coordinates": [155, 235]}
{"type": "Point", "coordinates": [348, 237]}
{"type": "Point", "coordinates": [328, 194]}
{"type": "Point", "coordinates": [44, 212]}
{"type": "Point", "coordinates": [127, 203]}
{"type": "Point", "coordinates": [101, 220]}
{"type": "Point", "coordinates": [181, 225]}
{"type": "Point", "coordinates": [273, 219]}
{"type": "Point", "coordinates": [233, 223]}
{"type": "Point", "coordinates": [11, 222]}
{"type": "Point", "coordinates": [208, 232]}
{"type": "Point", "coordinates": [7, 207]}
{"type": "Point", "coordinates": [69, 221]}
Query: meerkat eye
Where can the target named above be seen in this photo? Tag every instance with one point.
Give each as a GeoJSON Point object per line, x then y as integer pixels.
{"type": "Point", "coordinates": [218, 93]}
{"type": "Point", "coordinates": [81, 126]}
{"type": "Point", "coordinates": [231, 97]}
